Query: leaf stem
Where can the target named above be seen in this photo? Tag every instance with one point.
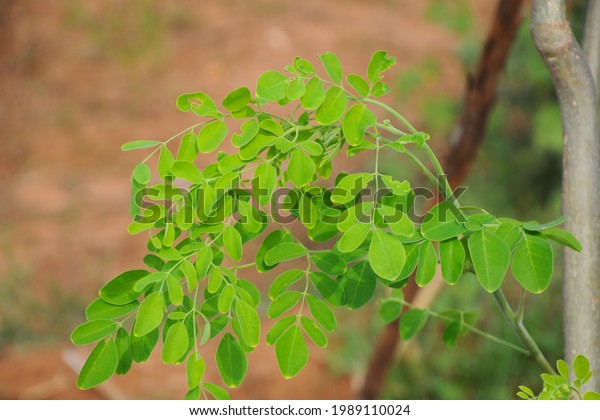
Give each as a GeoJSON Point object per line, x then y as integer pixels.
{"type": "Point", "coordinates": [522, 332]}
{"type": "Point", "coordinates": [392, 111]}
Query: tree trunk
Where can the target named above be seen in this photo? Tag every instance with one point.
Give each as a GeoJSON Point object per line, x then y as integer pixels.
{"type": "Point", "coordinates": [576, 90]}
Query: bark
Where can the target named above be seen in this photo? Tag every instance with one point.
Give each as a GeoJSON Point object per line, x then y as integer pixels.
{"type": "Point", "coordinates": [465, 142]}
{"type": "Point", "coordinates": [577, 96]}
{"type": "Point", "coordinates": [591, 38]}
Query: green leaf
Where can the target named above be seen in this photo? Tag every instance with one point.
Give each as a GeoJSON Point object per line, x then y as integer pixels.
{"type": "Point", "coordinates": [176, 343]}
{"type": "Point", "coordinates": [322, 313]}
{"type": "Point", "coordinates": [283, 281]}
{"type": "Point", "coordinates": [359, 84]}
{"type": "Point", "coordinates": [188, 171]}
{"type": "Point", "coordinates": [283, 303]}
{"type": "Point", "coordinates": [272, 126]}
{"type": "Point", "coordinates": [194, 369]}
{"type": "Point", "coordinates": [190, 273]}
{"type": "Point", "coordinates": [591, 395]}
{"type": "Point", "coordinates": [295, 89]}
{"type": "Point", "coordinates": [271, 86]}
{"type": "Point", "coordinates": [562, 368]}
{"type": "Point", "coordinates": [214, 280]}
{"type": "Point", "coordinates": [203, 262]}
{"type": "Point", "coordinates": [303, 66]}
{"type": "Point", "coordinates": [211, 136]}
{"type": "Point", "coordinates": [216, 391]}
{"type": "Point", "coordinates": [236, 99]}
{"type": "Point", "coordinates": [490, 256]}
{"type": "Point", "coordinates": [333, 107]}
{"type": "Point", "coordinates": [150, 314]}
{"type": "Point", "coordinates": [563, 237]}
{"type": "Point", "coordinates": [533, 262]}
{"type": "Point", "coordinates": [175, 290]}
{"type": "Point", "coordinates": [313, 331]}
{"type": "Point", "coordinates": [279, 328]}
{"type": "Point", "coordinates": [452, 256]}
{"type": "Point", "coordinates": [412, 322]}
{"type": "Point", "coordinates": [332, 66]}
{"type": "Point", "coordinates": [199, 103]}
{"type": "Point", "coordinates": [380, 89]}
{"type": "Point", "coordinates": [581, 367]}
{"type": "Point", "coordinates": [349, 187]}
{"type": "Point", "coordinates": [301, 168]}
{"type": "Point", "coordinates": [355, 123]}
{"type": "Point", "coordinates": [120, 290]}
{"type": "Point", "coordinates": [99, 309]}
{"type": "Point", "coordinates": [284, 252]}
{"type": "Point", "coordinates": [311, 147]}
{"type": "Point", "coordinates": [379, 63]}
{"type": "Point", "coordinates": [291, 352]}
{"type": "Point", "coordinates": [452, 332]}
{"type": "Point", "coordinates": [233, 242]}
{"type": "Point", "coordinates": [314, 95]}
{"type": "Point", "coordinates": [265, 179]}
{"type": "Point", "coordinates": [226, 298]}
{"type": "Point", "coordinates": [329, 263]}
{"type": "Point", "coordinates": [353, 237]}
{"type": "Point", "coordinates": [100, 365]}
{"type": "Point", "coordinates": [92, 331]}
{"type": "Point", "coordinates": [331, 290]}
{"type": "Point", "coordinates": [142, 173]}
{"type": "Point", "coordinates": [165, 161]}
{"type": "Point", "coordinates": [386, 255]}
{"type": "Point", "coordinates": [390, 310]}
{"type": "Point", "coordinates": [271, 241]}
{"type": "Point", "coordinates": [188, 150]}
{"type": "Point", "coordinates": [141, 347]}
{"type": "Point", "coordinates": [442, 222]}
{"type": "Point", "coordinates": [249, 322]}
{"type": "Point", "coordinates": [249, 130]}
{"type": "Point", "coordinates": [123, 351]}
{"type": "Point", "coordinates": [427, 263]}
{"type": "Point", "coordinates": [139, 144]}
{"type": "Point", "coordinates": [231, 361]}
{"type": "Point", "coordinates": [359, 284]}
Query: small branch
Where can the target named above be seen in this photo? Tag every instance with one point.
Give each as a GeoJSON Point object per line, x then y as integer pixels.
{"type": "Point", "coordinates": [522, 332]}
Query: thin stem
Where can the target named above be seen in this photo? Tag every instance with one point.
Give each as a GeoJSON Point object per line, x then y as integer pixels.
{"type": "Point", "coordinates": [392, 111]}
{"type": "Point", "coordinates": [522, 332]}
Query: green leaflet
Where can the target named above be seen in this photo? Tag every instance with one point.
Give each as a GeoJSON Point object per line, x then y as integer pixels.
{"type": "Point", "coordinates": [329, 263]}
{"type": "Point", "coordinates": [226, 298]}
{"type": "Point", "coordinates": [313, 331]}
{"type": "Point", "coordinates": [279, 328]}
{"type": "Point", "coordinates": [204, 259]}
{"type": "Point", "coordinates": [150, 314]}
{"type": "Point", "coordinates": [390, 310]}
{"type": "Point", "coordinates": [271, 86]}
{"type": "Point", "coordinates": [194, 369]}
{"type": "Point", "coordinates": [211, 136]}
{"type": "Point", "coordinates": [139, 144]}
{"type": "Point", "coordinates": [236, 99]}
{"type": "Point", "coordinates": [301, 168]}
{"type": "Point", "coordinates": [291, 352]}
{"type": "Point", "coordinates": [563, 237]}
{"type": "Point", "coordinates": [249, 130]}
{"type": "Point", "coordinates": [386, 255]}
{"type": "Point", "coordinates": [353, 237]}
{"type": "Point", "coordinates": [332, 66]}
{"type": "Point", "coordinates": [442, 222]}
{"type": "Point", "coordinates": [176, 344]}
{"type": "Point", "coordinates": [360, 85]}
{"type": "Point", "coordinates": [231, 361]}
{"type": "Point", "coordinates": [283, 281]}
{"type": "Point", "coordinates": [284, 252]}
{"type": "Point", "coordinates": [175, 290]}
{"type": "Point", "coordinates": [333, 107]}
{"type": "Point", "coordinates": [452, 258]}
{"type": "Point", "coordinates": [533, 262]}
{"type": "Point", "coordinates": [99, 309]}
{"type": "Point", "coordinates": [412, 322]}
{"type": "Point", "coordinates": [187, 170]}
{"type": "Point", "coordinates": [120, 290]}
{"type": "Point", "coordinates": [233, 242]}
{"type": "Point", "coordinates": [321, 313]}
{"type": "Point", "coordinates": [188, 150]}
{"type": "Point", "coordinates": [100, 365]}
{"type": "Point", "coordinates": [331, 290]}
{"type": "Point", "coordinates": [216, 391]}
{"type": "Point", "coordinates": [271, 241]}
{"type": "Point", "coordinates": [355, 123]}
{"type": "Point", "coordinates": [265, 179]}
{"type": "Point", "coordinates": [249, 322]}
{"type": "Point", "coordinates": [295, 89]}
{"type": "Point", "coordinates": [490, 256]}
{"type": "Point", "coordinates": [142, 173]}
{"type": "Point", "coordinates": [427, 263]}
{"type": "Point", "coordinates": [283, 303]}
{"type": "Point", "coordinates": [349, 187]}
{"type": "Point", "coordinates": [314, 94]}
{"type": "Point", "coordinates": [359, 284]}
{"type": "Point", "coordinates": [92, 331]}
{"type": "Point", "coordinates": [123, 351]}
{"type": "Point", "coordinates": [199, 103]}
{"type": "Point", "coordinates": [379, 63]}
{"type": "Point", "coordinates": [141, 347]}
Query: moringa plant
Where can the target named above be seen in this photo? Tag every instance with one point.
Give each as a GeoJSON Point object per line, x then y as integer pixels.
{"type": "Point", "coordinates": [269, 201]}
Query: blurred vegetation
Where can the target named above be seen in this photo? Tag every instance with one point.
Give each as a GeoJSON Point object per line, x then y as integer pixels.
{"type": "Point", "coordinates": [517, 174]}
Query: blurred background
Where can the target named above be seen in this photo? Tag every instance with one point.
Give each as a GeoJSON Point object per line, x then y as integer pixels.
{"type": "Point", "coordinates": [78, 79]}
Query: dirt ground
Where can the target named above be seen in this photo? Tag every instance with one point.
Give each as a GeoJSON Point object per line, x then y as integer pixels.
{"type": "Point", "coordinates": [78, 79]}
